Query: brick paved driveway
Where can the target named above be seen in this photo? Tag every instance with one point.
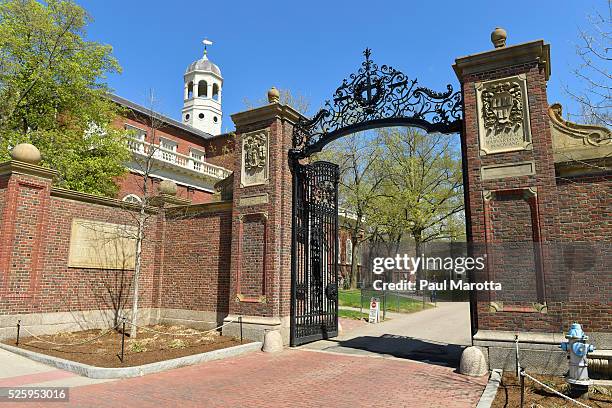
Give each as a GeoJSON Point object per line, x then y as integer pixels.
{"type": "Point", "coordinates": [292, 378]}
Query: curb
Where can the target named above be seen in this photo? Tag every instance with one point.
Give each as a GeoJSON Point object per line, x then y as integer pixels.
{"type": "Point", "coordinates": [135, 371]}
{"type": "Point", "coordinates": [489, 393]}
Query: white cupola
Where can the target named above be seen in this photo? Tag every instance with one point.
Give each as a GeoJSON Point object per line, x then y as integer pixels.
{"type": "Point", "coordinates": [202, 95]}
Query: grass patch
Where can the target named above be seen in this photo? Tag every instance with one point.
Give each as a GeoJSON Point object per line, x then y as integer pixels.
{"type": "Point", "coordinates": [352, 314]}
{"type": "Point", "coordinates": [393, 303]}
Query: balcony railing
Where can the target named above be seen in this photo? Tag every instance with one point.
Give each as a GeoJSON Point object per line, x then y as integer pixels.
{"type": "Point", "coordinates": [168, 156]}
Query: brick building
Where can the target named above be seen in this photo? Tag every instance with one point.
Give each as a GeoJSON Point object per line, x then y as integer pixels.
{"type": "Point", "coordinates": [193, 153]}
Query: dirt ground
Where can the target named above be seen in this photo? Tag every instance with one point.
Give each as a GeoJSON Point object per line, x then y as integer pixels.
{"type": "Point", "coordinates": [536, 396]}
{"type": "Point", "coordinates": [147, 347]}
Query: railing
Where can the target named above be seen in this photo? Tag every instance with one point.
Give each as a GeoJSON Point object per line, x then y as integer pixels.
{"type": "Point", "coordinates": [168, 156]}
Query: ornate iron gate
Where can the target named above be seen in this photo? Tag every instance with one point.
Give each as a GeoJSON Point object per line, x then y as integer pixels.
{"type": "Point", "coordinates": [373, 97]}
{"type": "Point", "coordinates": [314, 284]}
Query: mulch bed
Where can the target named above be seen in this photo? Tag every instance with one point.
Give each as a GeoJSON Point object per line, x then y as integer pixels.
{"type": "Point", "coordinates": [536, 396]}
{"type": "Point", "coordinates": [147, 347]}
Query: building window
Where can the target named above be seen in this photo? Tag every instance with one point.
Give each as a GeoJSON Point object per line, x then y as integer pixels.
{"type": "Point", "coordinates": [197, 158]}
{"type": "Point", "coordinates": [349, 251]}
{"type": "Point", "coordinates": [202, 89]}
{"type": "Point", "coordinates": [136, 138]}
{"type": "Point", "coordinates": [167, 150]}
{"type": "Point", "coordinates": [201, 116]}
{"type": "Point", "coordinates": [215, 91]}
{"type": "Point", "coordinates": [339, 251]}
{"type": "Point", "coordinates": [132, 199]}
{"type": "Point", "coordinates": [215, 119]}
{"type": "Point", "coordinates": [190, 90]}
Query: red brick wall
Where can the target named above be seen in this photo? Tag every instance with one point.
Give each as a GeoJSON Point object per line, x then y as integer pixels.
{"type": "Point", "coordinates": [197, 251]}
{"type": "Point", "coordinates": [220, 151]}
{"type": "Point", "coordinates": [34, 262]}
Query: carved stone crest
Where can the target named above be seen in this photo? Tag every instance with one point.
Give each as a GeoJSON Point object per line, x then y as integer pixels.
{"type": "Point", "coordinates": [503, 115]}
{"type": "Point", "coordinates": [254, 158]}
{"type": "Point", "coordinates": [255, 152]}
{"type": "Point", "coordinates": [502, 107]}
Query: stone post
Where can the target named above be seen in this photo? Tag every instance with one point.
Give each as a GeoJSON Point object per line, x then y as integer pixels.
{"type": "Point", "coordinates": [260, 280]}
{"type": "Point", "coordinates": [25, 191]}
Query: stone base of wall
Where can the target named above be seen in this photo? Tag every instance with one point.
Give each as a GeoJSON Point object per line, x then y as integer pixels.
{"type": "Point", "coordinates": [196, 319]}
{"type": "Point", "coordinates": [538, 352]}
{"type": "Point", "coordinates": [51, 323]}
{"type": "Point", "coordinates": [255, 327]}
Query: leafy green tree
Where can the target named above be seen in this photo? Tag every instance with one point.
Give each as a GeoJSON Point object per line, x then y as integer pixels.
{"type": "Point", "coordinates": [422, 191]}
{"type": "Point", "coordinates": [53, 94]}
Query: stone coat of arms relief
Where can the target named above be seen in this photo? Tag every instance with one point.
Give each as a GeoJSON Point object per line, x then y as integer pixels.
{"type": "Point", "coordinates": [503, 115]}
{"type": "Point", "coordinates": [254, 158]}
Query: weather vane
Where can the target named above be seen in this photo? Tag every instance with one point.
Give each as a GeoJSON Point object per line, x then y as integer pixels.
{"type": "Point", "coordinates": [206, 43]}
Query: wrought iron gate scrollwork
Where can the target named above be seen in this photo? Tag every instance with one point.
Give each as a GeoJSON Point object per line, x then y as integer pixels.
{"type": "Point", "coordinates": [314, 300]}
{"type": "Point", "coordinates": [374, 97]}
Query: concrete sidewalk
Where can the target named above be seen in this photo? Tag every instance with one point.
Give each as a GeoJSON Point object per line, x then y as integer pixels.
{"type": "Point", "coordinates": [18, 371]}
{"type": "Point", "coordinates": [436, 335]}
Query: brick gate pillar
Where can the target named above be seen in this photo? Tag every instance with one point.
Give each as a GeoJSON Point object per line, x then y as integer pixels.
{"type": "Point", "coordinates": [25, 191]}
{"type": "Point", "coordinates": [260, 279]}
{"type": "Point", "coordinates": [510, 183]}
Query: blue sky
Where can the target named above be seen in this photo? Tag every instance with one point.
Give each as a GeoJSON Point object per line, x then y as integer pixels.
{"type": "Point", "coordinates": [310, 46]}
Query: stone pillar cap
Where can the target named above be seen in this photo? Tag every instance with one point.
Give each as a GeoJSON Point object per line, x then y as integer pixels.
{"type": "Point", "coordinates": [27, 153]}
{"type": "Point", "coordinates": [168, 187]}
{"type": "Point", "coordinates": [273, 95]}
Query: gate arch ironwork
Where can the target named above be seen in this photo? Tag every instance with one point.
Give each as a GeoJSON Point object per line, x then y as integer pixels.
{"type": "Point", "coordinates": [373, 97]}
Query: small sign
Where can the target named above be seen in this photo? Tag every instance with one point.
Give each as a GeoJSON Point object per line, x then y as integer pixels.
{"type": "Point", "coordinates": [374, 310]}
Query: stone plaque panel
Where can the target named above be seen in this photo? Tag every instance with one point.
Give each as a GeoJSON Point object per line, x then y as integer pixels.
{"type": "Point", "coordinates": [102, 245]}
{"type": "Point", "coordinates": [503, 115]}
{"type": "Point", "coordinates": [255, 158]}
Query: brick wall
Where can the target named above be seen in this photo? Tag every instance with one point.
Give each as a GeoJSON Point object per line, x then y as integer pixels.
{"type": "Point", "coordinates": [43, 282]}
{"type": "Point", "coordinates": [197, 262]}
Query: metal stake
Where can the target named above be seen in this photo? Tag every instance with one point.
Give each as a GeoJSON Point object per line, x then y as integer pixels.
{"type": "Point", "coordinates": [122, 339]}
{"type": "Point", "coordinates": [18, 328]}
{"type": "Point", "coordinates": [522, 388]}
{"type": "Point", "coordinates": [240, 320]}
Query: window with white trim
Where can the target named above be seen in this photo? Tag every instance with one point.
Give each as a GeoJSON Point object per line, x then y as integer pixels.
{"type": "Point", "coordinates": [198, 158]}
{"type": "Point", "coordinates": [167, 150]}
{"type": "Point", "coordinates": [138, 135]}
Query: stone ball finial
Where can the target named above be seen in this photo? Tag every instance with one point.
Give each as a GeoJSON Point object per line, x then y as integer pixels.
{"type": "Point", "coordinates": [473, 362]}
{"type": "Point", "coordinates": [273, 95]}
{"type": "Point", "coordinates": [498, 37]}
{"type": "Point", "coordinates": [26, 152]}
{"type": "Point", "coordinates": [167, 187]}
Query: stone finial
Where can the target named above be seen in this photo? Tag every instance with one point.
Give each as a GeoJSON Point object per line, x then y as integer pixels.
{"type": "Point", "coordinates": [498, 37]}
{"type": "Point", "coordinates": [273, 95]}
{"type": "Point", "coordinates": [167, 187]}
{"type": "Point", "coordinates": [26, 152]}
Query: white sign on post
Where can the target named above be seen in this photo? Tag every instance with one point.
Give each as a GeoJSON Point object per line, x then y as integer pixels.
{"type": "Point", "coordinates": [374, 310]}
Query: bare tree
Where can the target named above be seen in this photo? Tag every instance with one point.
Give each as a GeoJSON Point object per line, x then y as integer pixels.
{"type": "Point", "coordinates": [146, 150]}
{"type": "Point", "coordinates": [594, 50]}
